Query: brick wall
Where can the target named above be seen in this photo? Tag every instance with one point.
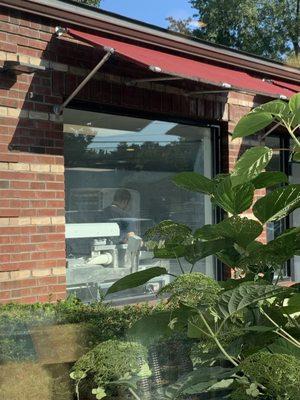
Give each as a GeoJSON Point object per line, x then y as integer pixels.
{"type": "Point", "coordinates": [32, 243]}
{"type": "Point", "coordinates": [239, 105]}
{"type": "Point", "coordinates": [32, 248]}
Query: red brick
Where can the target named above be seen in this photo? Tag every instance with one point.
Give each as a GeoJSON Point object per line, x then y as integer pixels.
{"type": "Point", "coordinates": [26, 300]}
{"type": "Point", "coordinates": [61, 279]}
{"type": "Point", "coordinates": [46, 212]}
{"type": "Point", "coordinates": [45, 298]}
{"type": "Point", "coordinates": [5, 295]}
{"type": "Point", "coordinates": [20, 293]}
{"type": "Point", "coordinates": [20, 257]}
{"type": "Point", "coordinates": [57, 288]}
{"type": "Point", "coordinates": [47, 281]}
{"type": "Point", "coordinates": [40, 290]}
{"type": "Point", "coordinates": [26, 283]}
{"type": "Point", "coordinates": [9, 47]}
{"type": "Point", "coordinates": [4, 258]}
{"type": "Point", "coordinates": [4, 240]}
{"type": "Point", "coordinates": [19, 185]}
{"type": "Point", "coordinates": [9, 213]}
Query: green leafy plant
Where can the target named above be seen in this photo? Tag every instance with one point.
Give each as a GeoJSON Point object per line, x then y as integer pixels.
{"type": "Point", "coordinates": [233, 240]}
{"type": "Point", "coordinates": [102, 322]}
{"type": "Point", "coordinates": [278, 376]}
{"type": "Point", "coordinates": [251, 314]}
{"type": "Point", "coordinates": [275, 112]}
{"type": "Point", "coordinates": [192, 289]}
{"type": "Point", "coordinates": [112, 363]}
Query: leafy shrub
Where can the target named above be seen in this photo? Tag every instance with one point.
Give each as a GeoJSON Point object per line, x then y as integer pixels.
{"type": "Point", "coordinates": [111, 366]}
{"type": "Point", "coordinates": [240, 394]}
{"type": "Point", "coordinates": [192, 289]}
{"type": "Point", "coordinates": [111, 361]}
{"type": "Point", "coordinates": [103, 323]}
{"type": "Point", "coordinates": [278, 373]}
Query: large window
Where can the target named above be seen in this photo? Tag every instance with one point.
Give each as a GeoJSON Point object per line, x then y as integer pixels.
{"type": "Point", "coordinates": [118, 185]}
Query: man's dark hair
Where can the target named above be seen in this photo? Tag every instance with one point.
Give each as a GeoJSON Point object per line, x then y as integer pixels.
{"type": "Point", "coordinates": [122, 195]}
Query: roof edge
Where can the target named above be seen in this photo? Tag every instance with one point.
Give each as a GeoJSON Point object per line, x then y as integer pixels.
{"type": "Point", "coordinates": [68, 12]}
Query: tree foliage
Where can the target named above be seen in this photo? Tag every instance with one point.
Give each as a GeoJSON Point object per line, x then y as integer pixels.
{"type": "Point", "coordinates": [95, 3]}
{"type": "Point", "coordinates": [268, 28]}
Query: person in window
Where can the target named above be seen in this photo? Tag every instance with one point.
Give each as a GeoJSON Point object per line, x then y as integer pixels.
{"type": "Point", "coordinates": [117, 212]}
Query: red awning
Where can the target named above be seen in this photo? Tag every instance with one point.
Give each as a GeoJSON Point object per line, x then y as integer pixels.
{"type": "Point", "coordinates": [186, 68]}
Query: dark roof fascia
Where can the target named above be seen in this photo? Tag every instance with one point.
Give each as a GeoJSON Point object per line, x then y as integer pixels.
{"type": "Point", "coordinates": [70, 12]}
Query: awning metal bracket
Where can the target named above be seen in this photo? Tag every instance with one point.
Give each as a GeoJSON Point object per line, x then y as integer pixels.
{"type": "Point", "coordinates": [58, 108]}
{"type": "Point", "coordinates": [263, 137]}
{"type": "Point", "coordinates": [133, 82]}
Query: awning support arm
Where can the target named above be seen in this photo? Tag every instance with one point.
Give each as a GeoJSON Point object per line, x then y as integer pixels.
{"type": "Point", "coordinates": [208, 92]}
{"type": "Point", "coordinates": [58, 108]}
{"type": "Point", "coordinates": [262, 138]}
{"type": "Point", "coordinates": [166, 78]}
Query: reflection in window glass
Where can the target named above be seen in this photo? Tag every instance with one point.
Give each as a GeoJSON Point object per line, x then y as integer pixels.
{"type": "Point", "coordinates": [274, 228]}
{"type": "Point", "coordinates": [118, 185]}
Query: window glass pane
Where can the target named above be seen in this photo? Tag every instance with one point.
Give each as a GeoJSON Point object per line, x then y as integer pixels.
{"type": "Point", "coordinates": [118, 185]}
{"type": "Point", "coordinates": [295, 219]}
{"type": "Point", "coordinates": [275, 228]}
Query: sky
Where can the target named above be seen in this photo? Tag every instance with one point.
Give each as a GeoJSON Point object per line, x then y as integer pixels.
{"type": "Point", "coordinates": [151, 11]}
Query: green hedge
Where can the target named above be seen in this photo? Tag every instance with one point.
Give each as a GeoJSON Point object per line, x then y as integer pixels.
{"type": "Point", "coordinates": [103, 321]}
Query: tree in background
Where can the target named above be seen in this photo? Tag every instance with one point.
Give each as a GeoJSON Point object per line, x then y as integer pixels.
{"type": "Point", "coordinates": [180, 25]}
{"type": "Point", "coordinates": [268, 28]}
{"type": "Point", "coordinates": [95, 3]}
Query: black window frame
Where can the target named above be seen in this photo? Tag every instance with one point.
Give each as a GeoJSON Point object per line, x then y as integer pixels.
{"type": "Point", "coordinates": [216, 146]}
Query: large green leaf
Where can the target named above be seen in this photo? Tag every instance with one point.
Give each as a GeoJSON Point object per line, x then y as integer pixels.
{"type": "Point", "coordinates": [252, 123]}
{"type": "Point", "coordinates": [166, 231]}
{"type": "Point", "coordinates": [277, 204]}
{"type": "Point", "coordinates": [196, 382]}
{"type": "Point", "coordinates": [275, 107]}
{"type": "Point", "coordinates": [274, 254]}
{"type": "Point", "coordinates": [269, 178]}
{"type": "Point", "coordinates": [172, 251]}
{"type": "Point", "coordinates": [153, 327]}
{"type": "Point", "coordinates": [236, 199]}
{"type": "Point", "coordinates": [136, 279]}
{"type": "Point", "coordinates": [282, 346]}
{"type": "Point", "coordinates": [294, 103]}
{"type": "Point", "coordinates": [229, 256]}
{"type": "Point", "coordinates": [245, 295]}
{"type": "Point", "coordinates": [252, 163]}
{"type": "Point", "coordinates": [240, 230]}
{"type": "Point", "coordinates": [292, 304]}
{"type": "Point", "coordinates": [194, 182]}
{"type": "Point", "coordinates": [169, 239]}
{"type": "Point", "coordinates": [296, 119]}
{"type": "Point", "coordinates": [201, 249]}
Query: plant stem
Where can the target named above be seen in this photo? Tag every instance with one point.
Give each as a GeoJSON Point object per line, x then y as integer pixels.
{"type": "Point", "coordinates": [134, 394]}
{"type": "Point", "coordinates": [294, 137]}
{"type": "Point", "coordinates": [77, 389]}
{"type": "Point", "coordinates": [293, 321]}
{"type": "Point", "coordinates": [285, 338]}
{"type": "Point", "coordinates": [217, 342]}
{"type": "Point", "coordinates": [291, 132]}
{"type": "Point", "coordinates": [180, 265]}
{"type": "Point", "coordinates": [281, 331]}
{"type": "Point", "coordinates": [201, 330]}
{"type": "Point", "coordinates": [192, 268]}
